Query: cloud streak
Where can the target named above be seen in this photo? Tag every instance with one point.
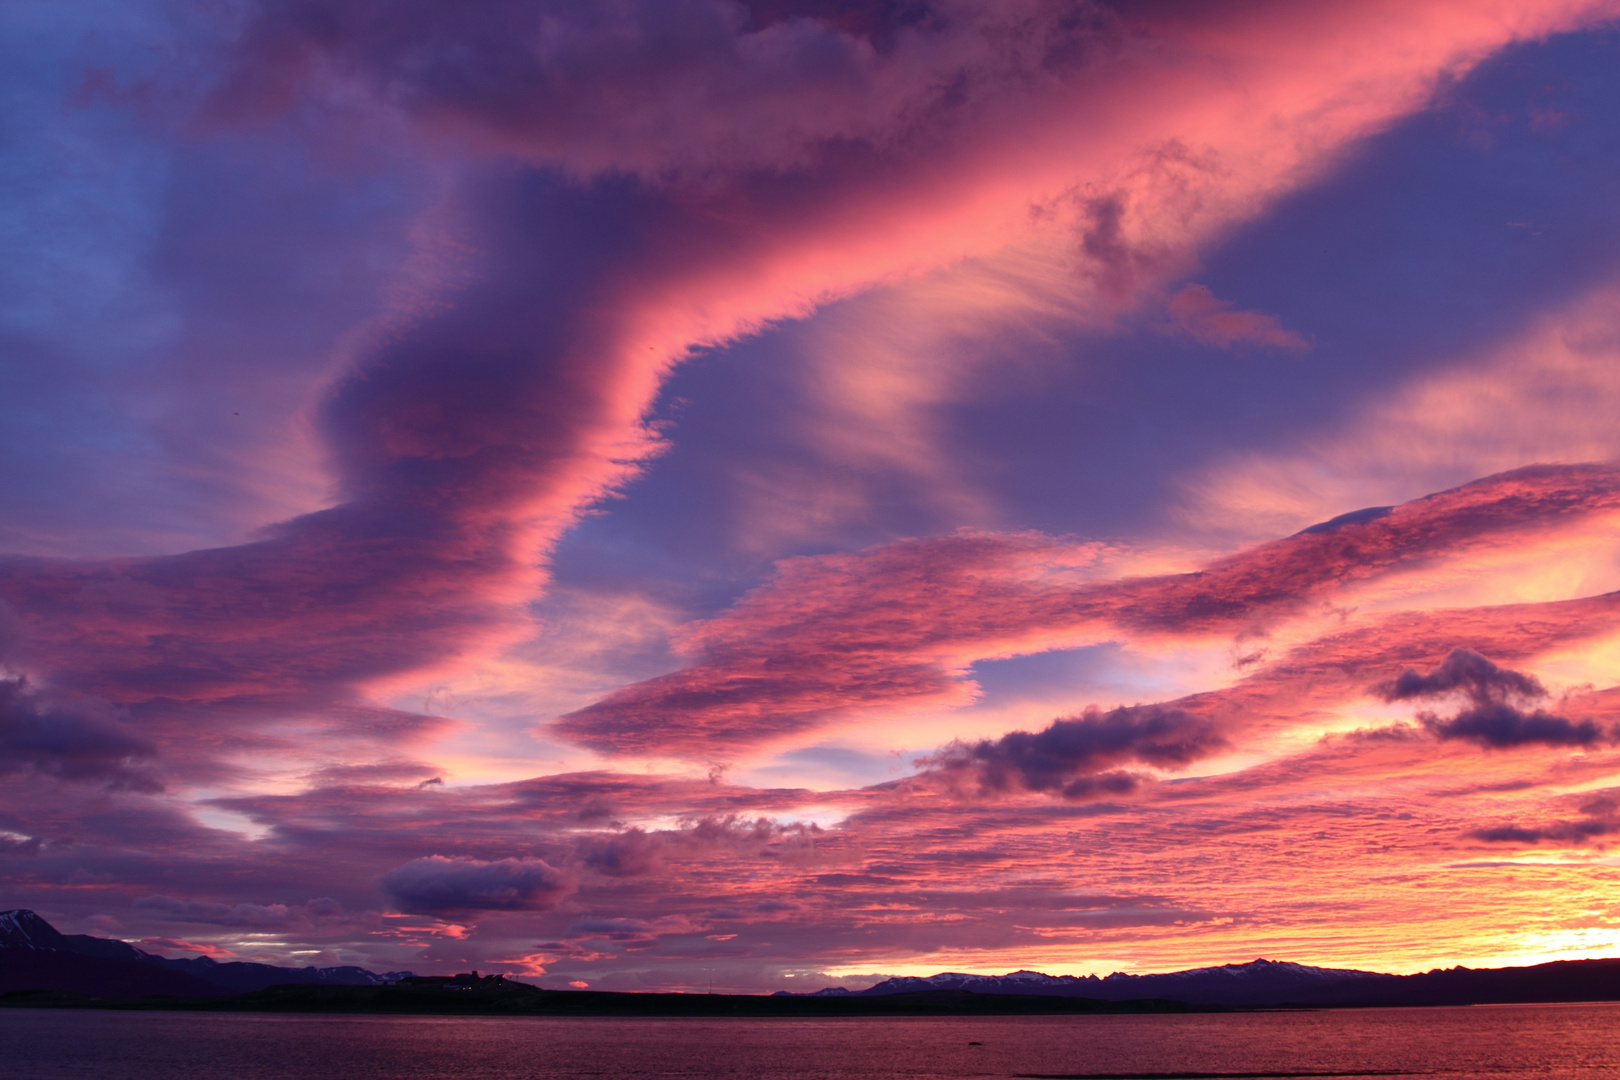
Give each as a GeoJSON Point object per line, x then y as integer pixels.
{"type": "Point", "coordinates": [892, 628]}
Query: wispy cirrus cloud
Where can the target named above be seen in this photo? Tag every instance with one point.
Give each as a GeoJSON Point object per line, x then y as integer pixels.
{"type": "Point", "coordinates": [1544, 394]}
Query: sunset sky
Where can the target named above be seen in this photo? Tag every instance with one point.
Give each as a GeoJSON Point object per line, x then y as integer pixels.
{"type": "Point", "coordinates": [772, 493]}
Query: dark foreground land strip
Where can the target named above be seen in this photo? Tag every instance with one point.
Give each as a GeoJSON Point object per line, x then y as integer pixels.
{"type": "Point", "coordinates": [1208, 1075]}
{"type": "Point", "coordinates": [528, 1001]}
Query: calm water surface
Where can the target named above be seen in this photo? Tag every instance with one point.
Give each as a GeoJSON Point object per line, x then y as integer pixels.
{"type": "Point", "coordinates": [1552, 1041]}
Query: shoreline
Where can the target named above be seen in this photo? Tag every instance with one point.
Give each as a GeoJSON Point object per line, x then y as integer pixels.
{"type": "Point", "coordinates": [530, 1001]}
{"type": "Point", "coordinates": [521, 1000]}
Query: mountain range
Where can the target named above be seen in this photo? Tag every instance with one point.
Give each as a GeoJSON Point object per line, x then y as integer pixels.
{"type": "Point", "coordinates": [34, 955]}
{"type": "Point", "coordinates": [1261, 983]}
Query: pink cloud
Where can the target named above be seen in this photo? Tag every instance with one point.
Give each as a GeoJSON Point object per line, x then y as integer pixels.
{"type": "Point", "coordinates": [1498, 709]}
{"type": "Point", "coordinates": [1210, 321]}
{"type": "Point", "coordinates": [838, 636]}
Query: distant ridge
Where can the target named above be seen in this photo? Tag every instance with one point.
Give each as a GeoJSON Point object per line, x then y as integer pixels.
{"type": "Point", "coordinates": [1262, 983]}
{"type": "Point", "coordinates": [34, 955]}
{"type": "Point", "coordinates": [38, 961]}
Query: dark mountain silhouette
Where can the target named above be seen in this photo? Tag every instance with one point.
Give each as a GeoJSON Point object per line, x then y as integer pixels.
{"type": "Point", "coordinates": [1262, 983]}
{"type": "Point", "coordinates": [34, 955]}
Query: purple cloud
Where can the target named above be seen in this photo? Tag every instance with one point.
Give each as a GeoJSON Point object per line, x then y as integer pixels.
{"type": "Point", "coordinates": [1075, 757]}
{"type": "Point", "coordinates": [1211, 321]}
{"type": "Point", "coordinates": [254, 916]}
{"type": "Point", "coordinates": [73, 738]}
{"type": "Point", "coordinates": [436, 885]}
{"type": "Point", "coordinates": [1498, 714]}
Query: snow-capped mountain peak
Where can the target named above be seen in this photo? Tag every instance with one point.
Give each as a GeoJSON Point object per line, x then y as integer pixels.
{"type": "Point", "coordinates": [22, 929]}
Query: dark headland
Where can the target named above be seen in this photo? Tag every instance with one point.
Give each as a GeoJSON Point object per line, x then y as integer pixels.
{"type": "Point", "coordinates": [40, 967]}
